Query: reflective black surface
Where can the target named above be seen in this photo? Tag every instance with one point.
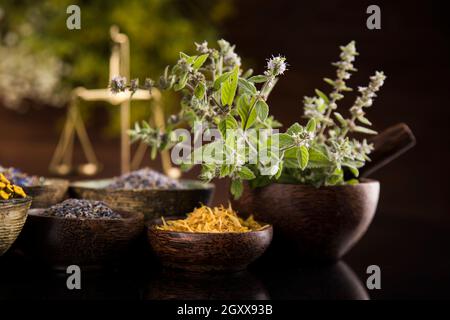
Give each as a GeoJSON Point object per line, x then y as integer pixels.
{"type": "Point", "coordinates": [412, 256]}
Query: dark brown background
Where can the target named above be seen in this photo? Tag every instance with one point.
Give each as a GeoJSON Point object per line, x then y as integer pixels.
{"type": "Point", "coordinates": [410, 235]}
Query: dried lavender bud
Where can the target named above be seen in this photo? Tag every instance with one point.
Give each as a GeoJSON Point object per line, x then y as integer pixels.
{"type": "Point", "coordinates": [148, 84]}
{"type": "Point", "coordinates": [118, 84]}
{"type": "Point", "coordinates": [145, 178]}
{"type": "Point", "coordinates": [81, 209]}
{"type": "Point", "coordinates": [134, 85]}
{"type": "Point", "coordinates": [20, 178]}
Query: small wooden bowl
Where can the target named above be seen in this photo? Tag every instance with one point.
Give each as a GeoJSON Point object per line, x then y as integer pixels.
{"type": "Point", "coordinates": [153, 203]}
{"type": "Point", "coordinates": [13, 214]}
{"type": "Point", "coordinates": [208, 252]}
{"type": "Point", "coordinates": [51, 192]}
{"type": "Point", "coordinates": [312, 224]}
{"type": "Point", "coordinates": [88, 243]}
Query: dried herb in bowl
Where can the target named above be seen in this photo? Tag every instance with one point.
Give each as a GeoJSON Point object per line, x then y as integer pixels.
{"type": "Point", "coordinates": [81, 209]}
{"type": "Point", "coordinates": [9, 190]}
{"type": "Point", "coordinates": [19, 178]}
{"type": "Point", "coordinates": [212, 220]}
{"type": "Point", "coordinates": [143, 179]}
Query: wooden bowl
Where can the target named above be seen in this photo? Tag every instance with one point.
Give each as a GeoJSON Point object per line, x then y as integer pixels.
{"type": "Point", "coordinates": [312, 224]}
{"type": "Point", "coordinates": [51, 192]}
{"type": "Point", "coordinates": [153, 203]}
{"type": "Point", "coordinates": [88, 243]}
{"type": "Point", "coordinates": [208, 252]}
{"type": "Point", "coordinates": [13, 214]}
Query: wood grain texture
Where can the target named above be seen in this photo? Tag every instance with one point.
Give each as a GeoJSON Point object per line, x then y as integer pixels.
{"type": "Point", "coordinates": [312, 224]}
{"type": "Point", "coordinates": [208, 252]}
{"type": "Point", "coordinates": [152, 203]}
{"type": "Point", "coordinates": [13, 214]}
{"type": "Point", "coordinates": [89, 243]}
{"type": "Point", "coordinates": [51, 192]}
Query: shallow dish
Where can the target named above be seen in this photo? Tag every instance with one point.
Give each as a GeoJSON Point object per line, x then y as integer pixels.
{"type": "Point", "coordinates": [207, 252]}
{"type": "Point", "coordinates": [153, 203]}
{"type": "Point", "coordinates": [13, 214]}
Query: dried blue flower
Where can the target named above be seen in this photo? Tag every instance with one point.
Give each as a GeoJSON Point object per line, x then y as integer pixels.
{"type": "Point", "coordinates": [118, 84]}
{"type": "Point", "coordinates": [134, 85]}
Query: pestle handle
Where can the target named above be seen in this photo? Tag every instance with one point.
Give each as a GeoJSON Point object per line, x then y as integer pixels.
{"type": "Point", "coordinates": [388, 145]}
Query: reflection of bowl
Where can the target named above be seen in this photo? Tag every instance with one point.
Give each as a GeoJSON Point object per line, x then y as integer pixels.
{"type": "Point", "coordinates": [327, 282]}
{"type": "Point", "coordinates": [152, 203]}
{"type": "Point", "coordinates": [84, 242]}
{"type": "Point", "coordinates": [198, 251]}
{"type": "Point", "coordinates": [313, 224]}
{"type": "Point", "coordinates": [51, 192]}
{"type": "Point", "coordinates": [13, 214]}
{"type": "Point", "coordinates": [180, 285]}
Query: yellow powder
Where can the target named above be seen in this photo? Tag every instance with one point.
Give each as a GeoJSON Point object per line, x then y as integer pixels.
{"type": "Point", "coordinates": [213, 220]}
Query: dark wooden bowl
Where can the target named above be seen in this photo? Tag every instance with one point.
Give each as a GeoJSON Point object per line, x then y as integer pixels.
{"type": "Point", "coordinates": [13, 214]}
{"type": "Point", "coordinates": [152, 203]}
{"type": "Point", "coordinates": [312, 224]}
{"type": "Point", "coordinates": [51, 192]}
{"type": "Point", "coordinates": [208, 252]}
{"type": "Point", "coordinates": [88, 243]}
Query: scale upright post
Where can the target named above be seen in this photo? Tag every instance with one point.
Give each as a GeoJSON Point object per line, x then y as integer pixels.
{"type": "Point", "coordinates": [119, 64]}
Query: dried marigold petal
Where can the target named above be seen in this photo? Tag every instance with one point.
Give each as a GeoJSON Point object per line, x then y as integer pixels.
{"type": "Point", "coordinates": [211, 220]}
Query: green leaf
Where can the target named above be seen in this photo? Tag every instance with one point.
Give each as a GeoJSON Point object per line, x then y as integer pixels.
{"type": "Point", "coordinates": [280, 170]}
{"type": "Point", "coordinates": [284, 140]}
{"type": "Point", "coordinates": [340, 118]}
{"type": "Point", "coordinates": [243, 107]}
{"type": "Point", "coordinates": [251, 119]}
{"type": "Point", "coordinates": [329, 81]}
{"type": "Point", "coordinates": [262, 110]}
{"type": "Point", "coordinates": [247, 73]}
{"type": "Point", "coordinates": [247, 87]}
{"type": "Point", "coordinates": [200, 90]}
{"type": "Point", "coordinates": [322, 95]}
{"type": "Point", "coordinates": [184, 56]}
{"type": "Point", "coordinates": [364, 120]}
{"type": "Point", "coordinates": [246, 174]}
{"type": "Point", "coordinates": [336, 178]}
{"type": "Point", "coordinates": [364, 130]}
{"type": "Point", "coordinates": [182, 82]}
{"type": "Point", "coordinates": [246, 112]}
{"type": "Point", "coordinates": [294, 129]}
{"type": "Point", "coordinates": [258, 79]}
{"type": "Point", "coordinates": [229, 87]}
{"type": "Point", "coordinates": [352, 182]}
{"type": "Point", "coordinates": [220, 79]}
{"type": "Point", "coordinates": [353, 170]}
{"type": "Point", "coordinates": [237, 187]}
{"type": "Point", "coordinates": [224, 170]}
{"type": "Point", "coordinates": [200, 61]}
{"type": "Point", "coordinates": [302, 157]}
{"type": "Point", "coordinates": [317, 159]}
{"type": "Point", "coordinates": [311, 126]}
{"type": "Point", "coordinates": [228, 123]}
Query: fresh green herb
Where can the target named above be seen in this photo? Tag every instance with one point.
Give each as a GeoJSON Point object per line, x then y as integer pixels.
{"type": "Point", "coordinates": [218, 93]}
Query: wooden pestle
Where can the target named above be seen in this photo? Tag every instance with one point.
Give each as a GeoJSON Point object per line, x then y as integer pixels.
{"type": "Point", "coordinates": [388, 145]}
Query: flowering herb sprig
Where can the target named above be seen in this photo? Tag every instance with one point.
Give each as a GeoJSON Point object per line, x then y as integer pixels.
{"type": "Point", "coordinates": [218, 93]}
{"type": "Point", "coordinates": [333, 155]}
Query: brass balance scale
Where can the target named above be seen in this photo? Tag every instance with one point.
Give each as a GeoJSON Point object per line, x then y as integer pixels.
{"type": "Point", "coordinates": [119, 64]}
